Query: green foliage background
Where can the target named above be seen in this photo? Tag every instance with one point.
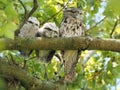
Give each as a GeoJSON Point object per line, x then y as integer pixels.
{"type": "Point", "coordinates": [101, 18]}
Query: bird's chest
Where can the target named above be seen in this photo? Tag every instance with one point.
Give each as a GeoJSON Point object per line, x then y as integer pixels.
{"type": "Point", "coordinates": [71, 28]}
{"type": "Point", "coordinates": [30, 31]}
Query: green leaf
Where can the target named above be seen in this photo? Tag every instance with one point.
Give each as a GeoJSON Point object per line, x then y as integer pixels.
{"type": "Point", "coordinates": [8, 30]}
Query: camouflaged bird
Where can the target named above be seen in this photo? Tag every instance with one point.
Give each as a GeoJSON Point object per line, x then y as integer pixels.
{"type": "Point", "coordinates": [29, 30]}
{"type": "Point", "coordinates": [48, 30]}
{"type": "Point", "coordinates": [71, 26]}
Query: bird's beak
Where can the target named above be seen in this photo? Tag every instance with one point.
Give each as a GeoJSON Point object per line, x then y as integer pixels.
{"type": "Point", "coordinates": [75, 16]}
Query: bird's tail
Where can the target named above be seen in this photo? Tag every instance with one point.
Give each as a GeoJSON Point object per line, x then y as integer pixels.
{"type": "Point", "coordinates": [70, 58]}
{"type": "Point", "coordinates": [45, 55]}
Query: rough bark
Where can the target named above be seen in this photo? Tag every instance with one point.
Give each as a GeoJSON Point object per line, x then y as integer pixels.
{"type": "Point", "coordinates": [26, 79]}
{"type": "Point", "coordinates": [71, 43]}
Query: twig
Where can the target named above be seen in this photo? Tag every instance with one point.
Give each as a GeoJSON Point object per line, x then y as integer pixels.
{"type": "Point", "coordinates": [25, 10]}
{"type": "Point", "coordinates": [10, 59]}
{"type": "Point", "coordinates": [46, 72]}
{"type": "Point", "coordinates": [96, 74]}
{"type": "Point", "coordinates": [56, 13]}
{"type": "Point", "coordinates": [35, 5]}
{"type": "Point", "coordinates": [58, 73]}
{"type": "Point", "coordinates": [116, 22]}
{"type": "Point", "coordinates": [87, 56]}
{"type": "Point", "coordinates": [96, 24]}
{"type": "Point", "coordinates": [26, 60]}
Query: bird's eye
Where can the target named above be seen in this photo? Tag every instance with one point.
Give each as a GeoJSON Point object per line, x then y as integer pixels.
{"type": "Point", "coordinates": [55, 32]}
{"type": "Point", "coordinates": [30, 22]}
{"type": "Point", "coordinates": [71, 11]}
{"type": "Point", "coordinates": [80, 13]}
{"type": "Point", "coordinates": [48, 29]}
{"type": "Point", "coordinates": [36, 24]}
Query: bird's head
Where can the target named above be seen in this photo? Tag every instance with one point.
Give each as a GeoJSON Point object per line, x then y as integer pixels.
{"type": "Point", "coordinates": [73, 13]}
{"type": "Point", "coordinates": [34, 21]}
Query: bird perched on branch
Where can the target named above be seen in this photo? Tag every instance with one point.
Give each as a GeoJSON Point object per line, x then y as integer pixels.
{"type": "Point", "coordinates": [29, 30]}
{"type": "Point", "coordinates": [48, 30]}
{"type": "Point", "coordinates": [71, 26]}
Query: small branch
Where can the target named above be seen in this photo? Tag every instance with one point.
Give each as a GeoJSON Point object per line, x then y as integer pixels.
{"type": "Point", "coordinates": [56, 13]}
{"type": "Point", "coordinates": [87, 56]}
{"type": "Point", "coordinates": [25, 14]}
{"type": "Point", "coordinates": [96, 24]}
{"type": "Point", "coordinates": [58, 73]}
{"type": "Point", "coordinates": [116, 23]}
{"type": "Point", "coordinates": [51, 17]}
{"type": "Point", "coordinates": [35, 6]}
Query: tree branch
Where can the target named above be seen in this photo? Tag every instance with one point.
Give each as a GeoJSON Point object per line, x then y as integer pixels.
{"type": "Point", "coordinates": [87, 56]}
{"type": "Point", "coordinates": [96, 24]}
{"type": "Point", "coordinates": [71, 43]}
{"type": "Point", "coordinates": [35, 6]}
{"type": "Point", "coordinates": [25, 14]}
{"type": "Point", "coordinates": [116, 23]}
{"type": "Point", "coordinates": [27, 80]}
{"type": "Point", "coordinates": [56, 13]}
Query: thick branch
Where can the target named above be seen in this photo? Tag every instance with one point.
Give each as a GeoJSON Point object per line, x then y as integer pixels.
{"type": "Point", "coordinates": [28, 81]}
{"type": "Point", "coordinates": [71, 43]}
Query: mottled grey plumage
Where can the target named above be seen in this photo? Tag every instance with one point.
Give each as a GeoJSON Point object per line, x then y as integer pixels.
{"type": "Point", "coordinates": [29, 30]}
{"type": "Point", "coordinates": [48, 30]}
{"type": "Point", "coordinates": [71, 26]}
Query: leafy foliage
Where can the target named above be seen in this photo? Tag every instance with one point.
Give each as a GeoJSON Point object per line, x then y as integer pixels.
{"type": "Point", "coordinates": [101, 71]}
